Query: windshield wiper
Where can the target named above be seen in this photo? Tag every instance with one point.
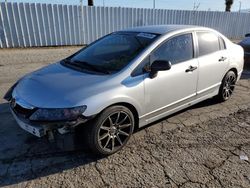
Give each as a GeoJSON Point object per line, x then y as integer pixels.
{"type": "Point", "coordinates": [93, 67]}
{"type": "Point", "coordinates": [84, 64]}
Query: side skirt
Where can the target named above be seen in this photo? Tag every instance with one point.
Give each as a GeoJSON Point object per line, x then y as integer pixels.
{"type": "Point", "coordinates": [201, 96]}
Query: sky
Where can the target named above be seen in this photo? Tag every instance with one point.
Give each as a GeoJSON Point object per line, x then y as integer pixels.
{"type": "Point", "coordinates": [213, 5]}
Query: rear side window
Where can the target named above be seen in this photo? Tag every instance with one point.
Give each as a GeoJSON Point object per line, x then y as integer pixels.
{"type": "Point", "coordinates": [175, 50]}
{"type": "Point", "coordinates": [208, 43]}
{"type": "Point", "coordinates": [222, 44]}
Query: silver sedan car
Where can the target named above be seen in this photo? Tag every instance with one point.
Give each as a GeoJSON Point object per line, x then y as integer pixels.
{"type": "Point", "coordinates": [124, 81]}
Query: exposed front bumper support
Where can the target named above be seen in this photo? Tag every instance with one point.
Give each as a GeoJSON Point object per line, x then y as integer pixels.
{"type": "Point", "coordinates": [43, 128]}
{"type": "Point", "coordinates": [36, 130]}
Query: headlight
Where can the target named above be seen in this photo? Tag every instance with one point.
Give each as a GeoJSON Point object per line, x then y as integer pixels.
{"type": "Point", "coordinates": [57, 114]}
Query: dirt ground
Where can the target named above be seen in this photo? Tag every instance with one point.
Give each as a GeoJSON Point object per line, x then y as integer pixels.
{"type": "Point", "coordinates": [207, 145]}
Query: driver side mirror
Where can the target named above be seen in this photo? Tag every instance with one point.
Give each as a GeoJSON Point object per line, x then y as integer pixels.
{"type": "Point", "coordinates": [159, 65]}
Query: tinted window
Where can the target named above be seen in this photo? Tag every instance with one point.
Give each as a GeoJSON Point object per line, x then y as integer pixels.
{"type": "Point", "coordinates": [208, 43]}
{"type": "Point", "coordinates": [112, 52]}
{"type": "Point", "coordinates": [175, 50]}
{"type": "Point", "coordinates": [222, 44]}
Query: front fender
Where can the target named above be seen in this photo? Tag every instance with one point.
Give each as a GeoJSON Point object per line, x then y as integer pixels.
{"type": "Point", "coordinates": [97, 104]}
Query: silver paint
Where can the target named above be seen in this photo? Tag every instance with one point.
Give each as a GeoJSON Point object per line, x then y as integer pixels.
{"type": "Point", "coordinates": [56, 86]}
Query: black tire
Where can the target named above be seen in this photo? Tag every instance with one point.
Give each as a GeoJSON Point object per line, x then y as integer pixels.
{"type": "Point", "coordinates": [227, 86]}
{"type": "Point", "coordinates": [106, 139]}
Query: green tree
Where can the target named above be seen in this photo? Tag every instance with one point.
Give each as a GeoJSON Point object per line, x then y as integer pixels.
{"type": "Point", "coordinates": [229, 4]}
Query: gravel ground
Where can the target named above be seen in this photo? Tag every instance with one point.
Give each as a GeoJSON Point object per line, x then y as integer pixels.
{"type": "Point", "coordinates": [207, 145]}
{"type": "Point", "coordinates": [14, 63]}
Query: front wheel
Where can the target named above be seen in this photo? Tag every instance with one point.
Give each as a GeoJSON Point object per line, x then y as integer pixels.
{"type": "Point", "coordinates": [111, 130]}
{"type": "Point", "coordinates": [227, 86]}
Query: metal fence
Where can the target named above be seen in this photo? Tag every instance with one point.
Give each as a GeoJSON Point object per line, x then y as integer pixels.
{"type": "Point", "coordinates": [35, 24]}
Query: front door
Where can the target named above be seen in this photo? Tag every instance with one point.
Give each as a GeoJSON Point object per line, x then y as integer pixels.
{"type": "Point", "coordinates": [175, 86]}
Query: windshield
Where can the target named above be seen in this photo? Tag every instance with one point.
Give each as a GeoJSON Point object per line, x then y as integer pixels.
{"type": "Point", "coordinates": [113, 52]}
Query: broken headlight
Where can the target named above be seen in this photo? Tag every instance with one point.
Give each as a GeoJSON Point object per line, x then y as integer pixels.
{"type": "Point", "coordinates": [57, 114]}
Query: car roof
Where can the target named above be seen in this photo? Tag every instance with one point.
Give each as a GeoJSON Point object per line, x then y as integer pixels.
{"type": "Point", "coordinates": [162, 29]}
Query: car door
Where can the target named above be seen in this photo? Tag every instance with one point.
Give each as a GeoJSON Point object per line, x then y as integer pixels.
{"type": "Point", "coordinates": [213, 62]}
{"type": "Point", "coordinates": [176, 86]}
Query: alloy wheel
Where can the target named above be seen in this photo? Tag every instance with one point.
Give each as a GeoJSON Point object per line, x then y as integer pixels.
{"type": "Point", "coordinates": [229, 86]}
{"type": "Point", "coordinates": [115, 131]}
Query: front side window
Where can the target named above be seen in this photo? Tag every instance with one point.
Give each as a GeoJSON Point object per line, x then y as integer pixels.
{"type": "Point", "coordinates": [175, 50]}
{"type": "Point", "coordinates": [113, 52]}
{"type": "Point", "coordinates": [140, 69]}
{"type": "Point", "coordinates": [208, 43]}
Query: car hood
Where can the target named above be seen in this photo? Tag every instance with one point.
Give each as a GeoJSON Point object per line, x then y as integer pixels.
{"type": "Point", "coordinates": [57, 86]}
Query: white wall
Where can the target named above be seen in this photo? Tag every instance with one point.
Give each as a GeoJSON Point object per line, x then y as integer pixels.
{"type": "Point", "coordinates": [35, 24]}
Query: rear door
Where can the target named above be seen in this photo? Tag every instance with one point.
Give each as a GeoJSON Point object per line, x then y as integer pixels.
{"type": "Point", "coordinates": [213, 61]}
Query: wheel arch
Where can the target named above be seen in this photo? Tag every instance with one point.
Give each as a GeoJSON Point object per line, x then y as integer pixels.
{"type": "Point", "coordinates": [234, 70]}
{"type": "Point", "coordinates": [131, 108]}
{"type": "Point", "coordinates": [220, 96]}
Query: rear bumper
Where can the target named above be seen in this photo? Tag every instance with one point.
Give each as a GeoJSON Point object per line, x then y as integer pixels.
{"type": "Point", "coordinates": [239, 75]}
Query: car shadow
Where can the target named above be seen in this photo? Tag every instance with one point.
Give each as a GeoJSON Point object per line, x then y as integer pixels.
{"type": "Point", "coordinates": [21, 153]}
{"type": "Point", "coordinates": [24, 157]}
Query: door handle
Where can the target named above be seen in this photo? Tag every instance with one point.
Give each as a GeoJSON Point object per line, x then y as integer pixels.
{"type": "Point", "coordinates": [191, 68]}
{"type": "Point", "coordinates": [222, 58]}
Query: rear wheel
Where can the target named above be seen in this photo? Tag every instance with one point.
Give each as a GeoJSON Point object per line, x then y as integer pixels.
{"type": "Point", "coordinates": [111, 130]}
{"type": "Point", "coordinates": [227, 86]}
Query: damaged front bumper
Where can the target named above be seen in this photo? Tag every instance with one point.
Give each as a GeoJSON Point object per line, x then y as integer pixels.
{"type": "Point", "coordinates": [41, 129]}
{"type": "Point", "coordinates": [37, 130]}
